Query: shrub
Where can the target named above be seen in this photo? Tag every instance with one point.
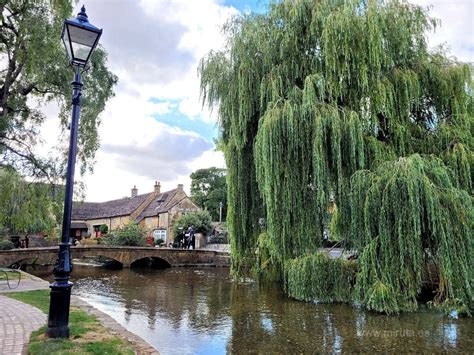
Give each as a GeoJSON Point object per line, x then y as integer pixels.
{"type": "Point", "coordinates": [103, 229]}
{"type": "Point", "coordinates": [6, 245]}
{"type": "Point", "coordinates": [129, 235]}
{"type": "Point", "coordinates": [159, 241]}
{"type": "Point", "coordinates": [201, 221]}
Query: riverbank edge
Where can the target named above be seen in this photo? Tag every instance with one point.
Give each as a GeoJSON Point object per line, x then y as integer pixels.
{"type": "Point", "coordinates": [140, 345]}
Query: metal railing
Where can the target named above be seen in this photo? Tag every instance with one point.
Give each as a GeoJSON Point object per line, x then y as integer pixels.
{"type": "Point", "coordinates": [4, 272]}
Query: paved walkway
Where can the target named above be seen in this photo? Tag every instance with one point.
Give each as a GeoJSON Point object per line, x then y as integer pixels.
{"type": "Point", "coordinates": [17, 321]}
{"type": "Point", "coordinates": [28, 282]}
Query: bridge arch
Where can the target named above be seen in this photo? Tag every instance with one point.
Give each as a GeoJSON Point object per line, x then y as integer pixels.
{"type": "Point", "coordinates": [21, 259]}
{"type": "Point", "coordinates": [83, 253]}
{"type": "Point", "coordinates": [19, 263]}
{"type": "Point", "coordinates": [101, 258]}
{"type": "Point", "coordinates": [151, 261]}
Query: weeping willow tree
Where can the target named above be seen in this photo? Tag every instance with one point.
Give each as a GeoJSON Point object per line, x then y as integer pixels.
{"type": "Point", "coordinates": [340, 101]}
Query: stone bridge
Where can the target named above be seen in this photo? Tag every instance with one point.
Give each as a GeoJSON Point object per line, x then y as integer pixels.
{"type": "Point", "coordinates": [124, 255]}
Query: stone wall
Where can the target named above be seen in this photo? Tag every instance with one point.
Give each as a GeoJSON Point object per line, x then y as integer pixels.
{"type": "Point", "coordinates": [125, 255]}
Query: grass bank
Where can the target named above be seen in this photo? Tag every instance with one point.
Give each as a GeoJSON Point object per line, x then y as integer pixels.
{"type": "Point", "coordinates": [87, 335]}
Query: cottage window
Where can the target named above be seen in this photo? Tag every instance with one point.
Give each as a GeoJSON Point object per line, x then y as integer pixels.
{"type": "Point", "coordinates": [160, 234]}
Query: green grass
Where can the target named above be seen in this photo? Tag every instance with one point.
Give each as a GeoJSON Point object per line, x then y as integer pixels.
{"type": "Point", "coordinates": [38, 299]}
{"type": "Point", "coordinates": [87, 335]}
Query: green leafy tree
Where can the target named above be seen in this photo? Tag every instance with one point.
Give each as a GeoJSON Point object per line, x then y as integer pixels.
{"type": "Point", "coordinates": [209, 190]}
{"type": "Point", "coordinates": [342, 101]}
{"type": "Point", "coordinates": [34, 70]}
{"type": "Point", "coordinates": [28, 207]}
{"type": "Point", "coordinates": [201, 220]}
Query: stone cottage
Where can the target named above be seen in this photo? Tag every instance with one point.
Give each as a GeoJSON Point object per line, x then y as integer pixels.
{"type": "Point", "coordinates": [155, 211]}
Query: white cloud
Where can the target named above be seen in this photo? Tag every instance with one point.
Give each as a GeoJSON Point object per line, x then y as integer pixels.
{"type": "Point", "coordinates": [111, 181]}
{"type": "Point", "coordinates": [457, 26]}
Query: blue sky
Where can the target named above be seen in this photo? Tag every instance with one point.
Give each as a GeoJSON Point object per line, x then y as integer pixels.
{"type": "Point", "coordinates": [175, 118]}
{"type": "Point", "coordinates": [246, 5]}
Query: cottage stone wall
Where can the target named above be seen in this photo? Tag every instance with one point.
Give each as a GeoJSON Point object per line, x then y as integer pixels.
{"type": "Point", "coordinates": [163, 220]}
{"type": "Point", "coordinates": [113, 223]}
{"type": "Point", "coordinates": [149, 223]}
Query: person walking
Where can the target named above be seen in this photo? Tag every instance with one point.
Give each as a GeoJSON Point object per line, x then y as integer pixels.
{"type": "Point", "coordinates": [192, 241]}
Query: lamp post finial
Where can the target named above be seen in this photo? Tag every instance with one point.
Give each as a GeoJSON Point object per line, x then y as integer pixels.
{"type": "Point", "coordinates": [82, 16]}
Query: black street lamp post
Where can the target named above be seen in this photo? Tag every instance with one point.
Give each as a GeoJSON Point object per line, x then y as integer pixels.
{"type": "Point", "coordinates": [80, 39]}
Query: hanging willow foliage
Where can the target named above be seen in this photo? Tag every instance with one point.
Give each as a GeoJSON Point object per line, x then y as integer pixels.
{"type": "Point", "coordinates": [289, 200]}
{"type": "Point", "coordinates": [319, 278]}
{"type": "Point", "coordinates": [405, 215]}
{"type": "Point", "coordinates": [315, 94]}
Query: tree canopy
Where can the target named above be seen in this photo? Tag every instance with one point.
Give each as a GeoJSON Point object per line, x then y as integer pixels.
{"type": "Point", "coordinates": [209, 190]}
{"type": "Point", "coordinates": [341, 100]}
{"type": "Point", "coordinates": [34, 71]}
{"type": "Point", "coordinates": [201, 220]}
{"type": "Point", "coordinates": [28, 207]}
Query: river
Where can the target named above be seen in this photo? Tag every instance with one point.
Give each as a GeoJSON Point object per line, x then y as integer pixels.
{"type": "Point", "coordinates": [202, 311]}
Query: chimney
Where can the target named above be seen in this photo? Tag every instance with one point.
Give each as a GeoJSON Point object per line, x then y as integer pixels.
{"type": "Point", "coordinates": [157, 188]}
{"type": "Point", "coordinates": [180, 187]}
{"type": "Point", "coordinates": [134, 191]}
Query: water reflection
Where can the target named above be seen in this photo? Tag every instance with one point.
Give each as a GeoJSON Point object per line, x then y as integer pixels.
{"type": "Point", "coordinates": [201, 311]}
{"type": "Point", "coordinates": [451, 334]}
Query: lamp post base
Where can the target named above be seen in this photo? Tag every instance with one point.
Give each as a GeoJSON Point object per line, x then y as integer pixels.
{"type": "Point", "coordinates": [58, 319]}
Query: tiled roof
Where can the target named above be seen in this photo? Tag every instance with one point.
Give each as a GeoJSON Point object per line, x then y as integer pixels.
{"type": "Point", "coordinates": [160, 204]}
{"type": "Point", "coordinates": [122, 207]}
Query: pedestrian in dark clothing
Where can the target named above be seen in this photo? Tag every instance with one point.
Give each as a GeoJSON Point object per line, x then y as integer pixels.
{"type": "Point", "coordinates": [192, 240]}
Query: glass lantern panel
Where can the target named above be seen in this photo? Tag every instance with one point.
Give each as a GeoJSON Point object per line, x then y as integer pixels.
{"type": "Point", "coordinates": [82, 36]}
{"type": "Point", "coordinates": [66, 44]}
{"type": "Point", "coordinates": [80, 51]}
